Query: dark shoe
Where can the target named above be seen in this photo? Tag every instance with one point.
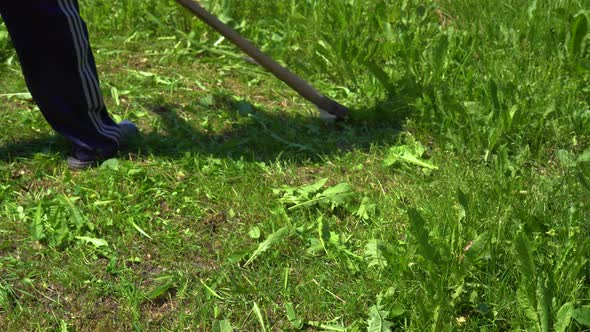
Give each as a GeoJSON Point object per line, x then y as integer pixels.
{"type": "Point", "coordinates": [84, 159]}
{"type": "Point", "coordinates": [129, 131]}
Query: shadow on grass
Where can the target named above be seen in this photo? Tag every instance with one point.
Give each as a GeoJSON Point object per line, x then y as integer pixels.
{"type": "Point", "coordinates": [29, 148]}
{"type": "Point", "coordinates": [237, 130]}
{"type": "Point", "coordinates": [245, 132]}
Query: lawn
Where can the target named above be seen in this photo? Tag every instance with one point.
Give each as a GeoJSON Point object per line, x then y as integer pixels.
{"type": "Point", "coordinates": [455, 197]}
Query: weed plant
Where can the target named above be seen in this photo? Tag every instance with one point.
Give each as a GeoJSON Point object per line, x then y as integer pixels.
{"type": "Point", "coordinates": [455, 198]}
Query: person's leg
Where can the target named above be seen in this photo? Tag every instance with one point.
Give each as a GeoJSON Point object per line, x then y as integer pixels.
{"type": "Point", "coordinates": [51, 41]}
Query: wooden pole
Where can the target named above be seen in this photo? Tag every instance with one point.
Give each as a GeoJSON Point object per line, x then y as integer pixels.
{"type": "Point", "coordinates": [295, 82]}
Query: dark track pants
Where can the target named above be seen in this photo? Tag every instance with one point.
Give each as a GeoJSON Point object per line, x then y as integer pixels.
{"type": "Point", "coordinates": [51, 41]}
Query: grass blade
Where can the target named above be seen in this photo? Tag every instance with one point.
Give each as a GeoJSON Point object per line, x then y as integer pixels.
{"type": "Point", "coordinates": [210, 290]}
{"type": "Point", "coordinates": [258, 314]}
{"type": "Point", "coordinates": [141, 231]}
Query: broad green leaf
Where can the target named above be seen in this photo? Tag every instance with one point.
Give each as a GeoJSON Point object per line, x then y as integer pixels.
{"type": "Point", "coordinates": [566, 158]}
{"type": "Point", "coordinates": [478, 246]}
{"type": "Point", "coordinates": [366, 209]}
{"type": "Point", "coordinates": [269, 242]}
{"type": "Point", "coordinates": [36, 228]}
{"type": "Point", "coordinates": [335, 196]}
{"type": "Point", "coordinates": [439, 52]}
{"type": "Point", "coordinates": [254, 232]}
{"type": "Point", "coordinates": [585, 156]}
{"type": "Point", "coordinates": [338, 194]}
{"type": "Point", "coordinates": [62, 234]}
{"type": "Point", "coordinates": [463, 199]}
{"type": "Point", "coordinates": [323, 232]}
{"type": "Point", "coordinates": [315, 246]}
{"type": "Point", "coordinates": [378, 320]}
{"type": "Point", "coordinates": [222, 326]}
{"type": "Point", "coordinates": [375, 253]}
{"type": "Point", "coordinates": [395, 153]}
{"type": "Point", "coordinates": [526, 303]}
{"type": "Point", "coordinates": [564, 317]}
{"type": "Point", "coordinates": [160, 290]}
{"type": "Point", "coordinates": [307, 191]}
{"type": "Point", "coordinates": [294, 319]}
{"type": "Point", "coordinates": [525, 256]}
{"type": "Point", "coordinates": [543, 305]}
{"type": "Point", "coordinates": [406, 154]}
{"type": "Point", "coordinates": [327, 327]}
{"type": "Point", "coordinates": [494, 95]}
{"type": "Point", "coordinates": [583, 180]}
{"type": "Point", "coordinates": [115, 96]}
{"type": "Point", "coordinates": [582, 316]}
{"type": "Point", "coordinates": [381, 76]}
{"type": "Point", "coordinates": [420, 233]}
{"type": "Point", "coordinates": [459, 290]}
{"type": "Point", "coordinates": [532, 9]}
{"type": "Point", "coordinates": [237, 256]}
{"type": "Point", "coordinates": [75, 213]}
{"type": "Point", "coordinates": [112, 163]}
{"type": "Point", "coordinates": [244, 108]}
{"type": "Point", "coordinates": [396, 311]}
{"type": "Point", "coordinates": [578, 31]}
{"type": "Point", "coordinates": [94, 241]}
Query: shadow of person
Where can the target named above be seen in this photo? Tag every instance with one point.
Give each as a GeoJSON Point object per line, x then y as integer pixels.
{"type": "Point", "coordinates": [254, 134]}
{"type": "Point", "coordinates": [245, 132]}
{"type": "Point", "coordinates": [28, 148]}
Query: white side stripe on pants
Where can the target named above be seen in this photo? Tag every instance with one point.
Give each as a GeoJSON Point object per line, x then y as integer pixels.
{"type": "Point", "coordinates": [76, 26]}
{"type": "Point", "coordinates": [95, 101]}
{"type": "Point", "coordinates": [89, 81]}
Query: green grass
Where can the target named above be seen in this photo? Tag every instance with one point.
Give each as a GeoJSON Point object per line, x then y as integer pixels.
{"type": "Point", "coordinates": [455, 198]}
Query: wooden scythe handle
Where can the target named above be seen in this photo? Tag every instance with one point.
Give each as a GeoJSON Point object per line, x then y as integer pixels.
{"type": "Point", "coordinates": [282, 73]}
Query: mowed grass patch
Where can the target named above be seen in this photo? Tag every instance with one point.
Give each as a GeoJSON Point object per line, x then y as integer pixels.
{"type": "Point", "coordinates": [203, 229]}
{"type": "Point", "coordinates": [238, 210]}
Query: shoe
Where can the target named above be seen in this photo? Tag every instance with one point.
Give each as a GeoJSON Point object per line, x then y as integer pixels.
{"type": "Point", "coordinates": [84, 159]}
{"type": "Point", "coordinates": [129, 131]}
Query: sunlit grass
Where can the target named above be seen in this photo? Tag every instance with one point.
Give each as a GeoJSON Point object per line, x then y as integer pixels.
{"type": "Point", "coordinates": [456, 197]}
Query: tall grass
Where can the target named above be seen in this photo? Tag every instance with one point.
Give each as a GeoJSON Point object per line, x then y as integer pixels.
{"type": "Point", "coordinates": [498, 244]}
{"type": "Point", "coordinates": [481, 77]}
